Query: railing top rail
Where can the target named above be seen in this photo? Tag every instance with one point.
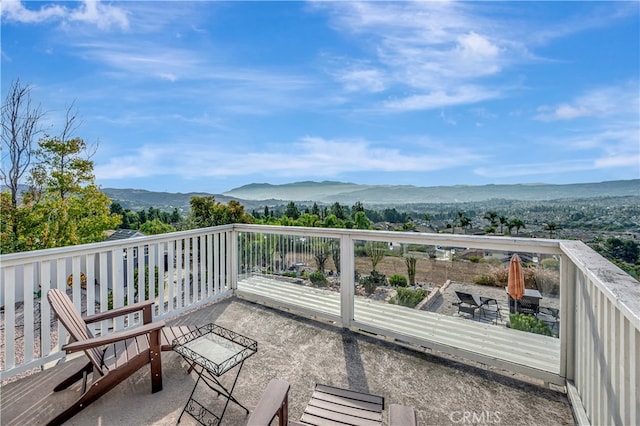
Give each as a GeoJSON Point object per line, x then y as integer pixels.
{"type": "Point", "coordinates": [55, 253]}
{"type": "Point", "coordinates": [619, 287]}
{"type": "Point", "coordinates": [537, 245]}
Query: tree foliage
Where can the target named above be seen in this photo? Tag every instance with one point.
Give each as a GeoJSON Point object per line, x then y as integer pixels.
{"type": "Point", "coordinates": [63, 206]}
{"type": "Point", "coordinates": [156, 226]}
{"type": "Point", "coordinates": [206, 211]}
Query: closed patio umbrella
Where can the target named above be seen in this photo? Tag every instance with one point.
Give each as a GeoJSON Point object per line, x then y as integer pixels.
{"type": "Point", "coordinates": [515, 286]}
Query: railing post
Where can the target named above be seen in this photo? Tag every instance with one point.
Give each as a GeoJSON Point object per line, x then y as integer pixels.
{"type": "Point", "coordinates": [568, 286]}
{"type": "Point", "coordinates": [234, 258]}
{"type": "Point", "coordinates": [347, 287]}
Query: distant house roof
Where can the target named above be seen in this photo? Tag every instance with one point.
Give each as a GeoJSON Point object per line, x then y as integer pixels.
{"type": "Point", "coordinates": [121, 234]}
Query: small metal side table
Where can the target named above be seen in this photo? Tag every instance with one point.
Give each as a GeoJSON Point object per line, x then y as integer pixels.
{"type": "Point", "coordinates": [212, 351]}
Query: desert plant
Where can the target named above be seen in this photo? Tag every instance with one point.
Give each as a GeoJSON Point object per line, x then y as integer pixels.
{"type": "Point", "coordinates": [318, 279]}
{"type": "Point", "coordinates": [372, 281]}
{"type": "Point", "coordinates": [376, 251]}
{"type": "Point", "coordinates": [408, 297]}
{"type": "Point", "coordinates": [411, 269]}
{"type": "Point", "coordinates": [531, 324]}
{"type": "Point", "coordinates": [335, 254]}
{"type": "Point", "coordinates": [398, 280]}
{"type": "Point", "coordinates": [321, 256]}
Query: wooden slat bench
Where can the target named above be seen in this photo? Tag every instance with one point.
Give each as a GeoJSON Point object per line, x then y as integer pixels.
{"type": "Point", "coordinates": [330, 405]}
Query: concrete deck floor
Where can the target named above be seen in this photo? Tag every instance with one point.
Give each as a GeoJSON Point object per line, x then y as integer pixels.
{"type": "Point", "coordinates": [303, 352]}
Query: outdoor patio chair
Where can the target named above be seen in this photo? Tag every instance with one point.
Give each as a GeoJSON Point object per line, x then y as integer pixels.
{"type": "Point", "coordinates": [113, 357]}
{"type": "Point", "coordinates": [550, 316]}
{"type": "Point", "coordinates": [489, 306]}
{"type": "Point", "coordinates": [528, 305]}
{"type": "Point", "coordinates": [468, 303]}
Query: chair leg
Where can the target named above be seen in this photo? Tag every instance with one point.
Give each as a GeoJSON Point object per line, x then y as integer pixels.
{"type": "Point", "coordinates": [155, 362]}
{"type": "Point", "coordinates": [95, 391]}
{"type": "Point", "coordinates": [80, 374]}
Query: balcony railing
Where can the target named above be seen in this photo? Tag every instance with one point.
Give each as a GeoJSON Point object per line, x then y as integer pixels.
{"type": "Point", "coordinates": [595, 353]}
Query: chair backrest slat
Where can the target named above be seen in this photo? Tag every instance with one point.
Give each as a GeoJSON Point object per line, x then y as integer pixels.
{"type": "Point", "coordinates": [73, 322]}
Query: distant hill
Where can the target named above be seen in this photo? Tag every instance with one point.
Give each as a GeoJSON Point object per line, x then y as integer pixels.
{"type": "Point", "coordinates": [140, 199]}
{"type": "Point", "coordinates": [257, 195]}
{"type": "Point", "coordinates": [347, 193]}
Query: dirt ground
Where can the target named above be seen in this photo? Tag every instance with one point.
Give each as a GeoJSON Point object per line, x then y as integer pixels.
{"type": "Point", "coordinates": [428, 271]}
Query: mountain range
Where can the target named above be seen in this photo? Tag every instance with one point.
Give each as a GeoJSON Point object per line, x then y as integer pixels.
{"type": "Point", "coordinates": [329, 192]}
{"type": "Point", "coordinates": [257, 195]}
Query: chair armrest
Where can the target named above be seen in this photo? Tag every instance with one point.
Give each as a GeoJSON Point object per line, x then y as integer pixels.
{"type": "Point", "coordinates": [123, 310]}
{"type": "Point", "coordinates": [274, 401]}
{"type": "Point", "coordinates": [113, 337]}
{"type": "Point", "coordinates": [401, 415]}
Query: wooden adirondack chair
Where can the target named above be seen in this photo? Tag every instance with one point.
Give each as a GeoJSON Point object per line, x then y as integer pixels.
{"type": "Point", "coordinates": [114, 357]}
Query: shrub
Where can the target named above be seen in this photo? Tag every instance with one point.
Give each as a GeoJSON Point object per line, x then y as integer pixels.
{"type": "Point", "coordinates": [485, 280]}
{"type": "Point", "coordinates": [290, 274]}
{"type": "Point", "coordinates": [372, 281]}
{"type": "Point", "coordinates": [398, 280]}
{"type": "Point", "coordinates": [474, 259]}
{"type": "Point", "coordinates": [529, 323]}
{"type": "Point", "coordinates": [318, 279]}
{"type": "Point", "coordinates": [550, 263]}
{"type": "Point", "coordinates": [408, 297]}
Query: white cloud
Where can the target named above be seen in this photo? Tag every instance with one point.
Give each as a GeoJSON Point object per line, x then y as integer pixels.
{"type": "Point", "coordinates": [362, 79]}
{"type": "Point", "coordinates": [89, 11]}
{"type": "Point", "coordinates": [431, 48]}
{"type": "Point", "coordinates": [14, 10]}
{"type": "Point", "coordinates": [600, 102]}
{"type": "Point", "coordinates": [437, 99]}
{"type": "Point", "coordinates": [307, 157]}
{"type": "Point", "coordinates": [616, 147]}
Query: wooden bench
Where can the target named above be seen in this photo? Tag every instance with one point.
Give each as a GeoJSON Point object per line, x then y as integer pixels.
{"type": "Point", "coordinates": [329, 404]}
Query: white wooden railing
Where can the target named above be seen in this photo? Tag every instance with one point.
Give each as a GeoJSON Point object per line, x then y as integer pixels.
{"type": "Point", "coordinates": [599, 343]}
{"type": "Point", "coordinates": [190, 268]}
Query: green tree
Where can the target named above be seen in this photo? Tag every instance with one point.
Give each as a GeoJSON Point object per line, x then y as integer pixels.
{"type": "Point", "coordinates": [292, 211]}
{"type": "Point", "coordinates": [464, 221]}
{"type": "Point", "coordinates": [155, 226]}
{"type": "Point", "coordinates": [491, 216]}
{"type": "Point", "coordinates": [361, 221]}
{"type": "Point", "coordinates": [624, 250]}
{"type": "Point", "coordinates": [516, 223]}
{"type": "Point", "coordinates": [66, 207]}
{"type": "Point", "coordinates": [309, 220]}
{"type": "Point", "coordinates": [338, 211]}
{"type": "Point", "coordinates": [357, 207]}
{"type": "Point", "coordinates": [62, 166]}
{"type": "Point", "coordinates": [551, 227]}
{"type": "Point", "coordinates": [503, 221]}
{"type": "Point", "coordinates": [175, 216]}
{"type": "Point", "coordinates": [332, 221]}
{"type": "Point", "coordinates": [206, 211]}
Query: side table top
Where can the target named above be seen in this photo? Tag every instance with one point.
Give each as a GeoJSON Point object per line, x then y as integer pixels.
{"type": "Point", "coordinates": [215, 348]}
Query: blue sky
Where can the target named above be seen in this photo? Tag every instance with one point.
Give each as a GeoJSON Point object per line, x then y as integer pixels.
{"type": "Point", "coordinates": [209, 96]}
